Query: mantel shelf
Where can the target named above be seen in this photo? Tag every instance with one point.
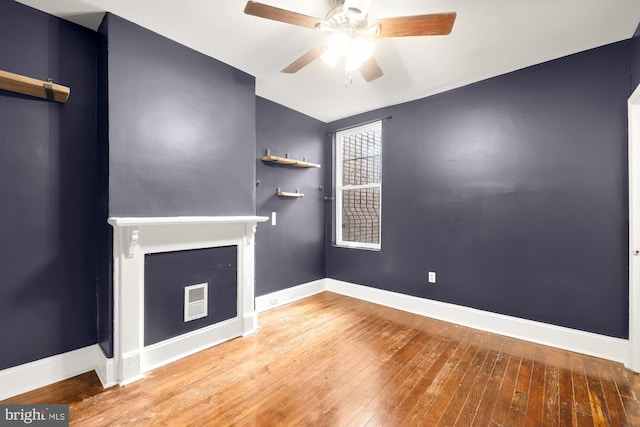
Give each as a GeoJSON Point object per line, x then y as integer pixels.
{"type": "Point", "coordinates": [186, 220]}
{"type": "Point", "coordinates": [290, 162]}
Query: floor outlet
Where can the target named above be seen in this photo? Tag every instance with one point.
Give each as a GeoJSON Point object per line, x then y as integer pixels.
{"type": "Point", "coordinates": [274, 301]}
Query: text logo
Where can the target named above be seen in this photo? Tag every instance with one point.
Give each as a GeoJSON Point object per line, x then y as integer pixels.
{"type": "Point", "coordinates": [34, 415]}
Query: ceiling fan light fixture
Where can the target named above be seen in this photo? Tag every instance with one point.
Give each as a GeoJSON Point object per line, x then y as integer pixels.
{"type": "Point", "coordinates": [330, 58]}
{"type": "Point", "coordinates": [362, 47]}
{"type": "Point", "coordinates": [355, 50]}
{"type": "Point", "coordinates": [352, 61]}
{"type": "Point", "coordinates": [339, 42]}
{"type": "Point", "coordinates": [323, 26]}
{"type": "Point", "coordinates": [337, 46]}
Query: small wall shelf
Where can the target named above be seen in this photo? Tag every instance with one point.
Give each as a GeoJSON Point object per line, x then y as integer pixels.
{"type": "Point", "coordinates": [287, 161]}
{"type": "Point", "coordinates": [281, 193]}
{"type": "Point", "coordinates": [28, 86]}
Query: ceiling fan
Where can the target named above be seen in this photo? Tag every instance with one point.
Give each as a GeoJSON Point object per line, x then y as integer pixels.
{"type": "Point", "coordinates": [351, 33]}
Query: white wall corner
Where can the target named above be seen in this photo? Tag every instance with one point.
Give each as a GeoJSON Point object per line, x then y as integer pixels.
{"type": "Point", "coordinates": [597, 345]}
{"type": "Point", "coordinates": [633, 155]}
{"type": "Point", "coordinates": [286, 296]}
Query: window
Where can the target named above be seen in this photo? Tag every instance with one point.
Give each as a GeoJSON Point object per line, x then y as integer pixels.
{"type": "Point", "coordinates": [359, 186]}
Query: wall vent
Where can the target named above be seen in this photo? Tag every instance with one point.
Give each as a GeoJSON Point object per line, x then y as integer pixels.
{"type": "Point", "coordinates": [195, 301]}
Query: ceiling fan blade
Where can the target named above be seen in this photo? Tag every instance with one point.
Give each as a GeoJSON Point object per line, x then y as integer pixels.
{"type": "Point", "coordinates": [282, 15]}
{"type": "Point", "coordinates": [437, 24]}
{"type": "Point", "coordinates": [305, 59]}
{"type": "Point", "coordinates": [370, 69]}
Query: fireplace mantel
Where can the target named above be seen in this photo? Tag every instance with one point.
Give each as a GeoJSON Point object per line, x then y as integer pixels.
{"type": "Point", "coordinates": [133, 238]}
{"type": "Point", "coordinates": [136, 221]}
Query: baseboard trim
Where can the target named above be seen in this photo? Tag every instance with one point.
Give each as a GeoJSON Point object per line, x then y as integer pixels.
{"type": "Point", "coordinates": [30, 376]}
{"type": "Point", "coordinates": [173, 349]}
{"type": "Point", "coordinates": [597, 345]}
{"type": "Point", "coordinates": [286, 296]}
{"type": "Point", "coordinates": [105, 369]}
{"type": "Point", "coordinates": [615, 349]}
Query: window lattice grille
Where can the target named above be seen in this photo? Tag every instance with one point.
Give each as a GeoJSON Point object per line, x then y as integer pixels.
{"type": "Point", "coordinates": [361, 158]}
{"type": "Point", "coordinates": [360, 219]}
{"type": "Point", "coordinates": [361, 166]}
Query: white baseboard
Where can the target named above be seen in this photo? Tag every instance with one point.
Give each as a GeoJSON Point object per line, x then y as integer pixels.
{"type": "Point", "coordinates": [250, 323]}
{"type": "Point", "coordinates": [170, 350]}
{"type": "Point", "coordinates": [597, 345]}
{"type": "Point", "coordinates": [286, 296]}
{"type": "Point", "coordinates": [30, 376]}
{"type": "Point", "coordinates": [105, 369]}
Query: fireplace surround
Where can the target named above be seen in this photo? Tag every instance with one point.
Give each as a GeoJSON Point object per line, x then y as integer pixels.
{"type": "Point", "coordinates": [133, 238]}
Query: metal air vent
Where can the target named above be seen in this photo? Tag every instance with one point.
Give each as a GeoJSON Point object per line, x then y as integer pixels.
{"type": "Point", "coordinates": [195, 301]}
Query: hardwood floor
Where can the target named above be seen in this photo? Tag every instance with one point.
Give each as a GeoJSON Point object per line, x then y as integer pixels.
{"type": "Point", "coordinates": [336, 361]}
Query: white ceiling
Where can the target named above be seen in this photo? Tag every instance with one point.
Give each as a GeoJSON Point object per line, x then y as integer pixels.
{"type": "Point", "coordinates": [489, 38]}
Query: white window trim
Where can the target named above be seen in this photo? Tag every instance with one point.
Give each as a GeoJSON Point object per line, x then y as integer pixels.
{"type": "Point", "coordinates": [340, 188]}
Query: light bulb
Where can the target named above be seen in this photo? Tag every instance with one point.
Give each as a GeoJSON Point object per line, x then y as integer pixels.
{"type": "Point", "coordinates": [363, 47]}
{"type": "Point", "coordinates": [353, 61]}
{"type": "Point", "coordinates": [330, 58]}
{"type": "Point", "coordinates": [355, 50]}
{"type": "Point", "coordinates": [337, 46]}
{"type": "Point", "coordinates": [339, 42]}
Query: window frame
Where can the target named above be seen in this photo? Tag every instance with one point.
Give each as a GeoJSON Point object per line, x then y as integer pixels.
{"type": "Point", "coordinates": [339, 188]}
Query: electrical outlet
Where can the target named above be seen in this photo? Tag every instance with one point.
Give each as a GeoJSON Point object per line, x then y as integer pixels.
{"type": "Point", "coordinates": [432, 277]}
{"type": "Point", "coordinates": [274, 301]}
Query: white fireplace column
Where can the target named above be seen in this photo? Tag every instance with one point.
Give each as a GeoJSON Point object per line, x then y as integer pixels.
{"type": "Point", "coordinates": [135, 237]}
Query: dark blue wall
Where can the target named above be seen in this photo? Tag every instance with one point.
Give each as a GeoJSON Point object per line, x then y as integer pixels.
{"type": "Point", "coordinates": [177, 137]}
{"type": "Point", "coordinates": [104, 232]}
{"type": "Point", "coordinates": [292, 252]}
{"type": "Point", "coordinates": [167, 274]}
{"type": "Point", "coordinates": [181, 129]}
{"type": "Point", "coordinates": [47, 190]}
{"type": "Point", "coordinates": [514, 191]}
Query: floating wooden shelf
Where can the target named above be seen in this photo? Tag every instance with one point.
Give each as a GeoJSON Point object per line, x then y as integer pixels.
{"type": "Point", "coordinates": [280, 193]}
{"type": "Point", "coordinates": [34, 87]}
{"type": "Point", "coordinates": [287, 161]}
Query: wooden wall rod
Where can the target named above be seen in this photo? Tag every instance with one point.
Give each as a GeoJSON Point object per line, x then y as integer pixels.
{"type": "Point", "coordinates": [34, 87]}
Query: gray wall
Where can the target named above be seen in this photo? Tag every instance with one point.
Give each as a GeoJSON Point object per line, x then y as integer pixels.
{"type": "Point", "coordinates": [513, 190]}
{"type": "Point", "coordinates": [47, 189]}
{"type": "Point", "coordinates": [292, 252]}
